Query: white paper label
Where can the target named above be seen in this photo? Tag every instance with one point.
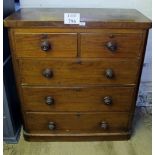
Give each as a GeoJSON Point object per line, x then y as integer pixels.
{"type": "Point", "coordinates": [71, 18]}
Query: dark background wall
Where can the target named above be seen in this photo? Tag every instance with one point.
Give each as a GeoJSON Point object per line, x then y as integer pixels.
{"type": "Point", "coordinates": [11, 109]}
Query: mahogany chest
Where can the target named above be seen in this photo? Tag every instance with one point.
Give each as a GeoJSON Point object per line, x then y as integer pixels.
{"type": "Point", "coordinates": [77, 82]}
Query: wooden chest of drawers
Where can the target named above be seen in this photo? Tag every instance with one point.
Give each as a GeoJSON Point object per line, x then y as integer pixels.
{"type": "Point", "coordinates": [77, 82]}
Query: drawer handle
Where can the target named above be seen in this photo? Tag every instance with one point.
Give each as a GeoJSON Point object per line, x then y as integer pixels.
{"type": "Point", "coordinates": [107, 100]}
{"type": "Point", "coordinates": [45, 46]}
{"type": "Point", "coordinates": [51, 126]}
{"type": "Point", "coordinates": [48, 73]}
{"type": "Point", "coordinates": [49, 100]}
{"type": "Point", "coordinates": [109, 73]}
{"type": "Point", "coordinates": [112, 46]}
{"type": "Point", "coordinates": [104, 125]}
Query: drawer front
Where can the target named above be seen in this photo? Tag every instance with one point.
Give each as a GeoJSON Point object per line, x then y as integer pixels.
{"type": "Point", "coordinates": [111, 45]}
{"type": "Point", "coordinates": [72, 122]}
{"type": "Point", "coordinates": [78, 99]}
{"type": "Point", "coordinates": [46, 45]}
{"type": "Point", "coordinates": [71, 72]}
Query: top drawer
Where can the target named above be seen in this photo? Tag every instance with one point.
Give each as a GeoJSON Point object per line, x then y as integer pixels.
{"type": "Point", "coordinates": [111, 44]}
{"type": "Point", "coordinates": [46, 44]}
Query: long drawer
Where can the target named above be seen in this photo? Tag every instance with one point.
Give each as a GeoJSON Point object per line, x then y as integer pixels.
{"type": "Point", "coordinates": [45, 45]}
{"type": "Point", "coordinates": [43, 123]}
{"type": "Point", "coordinates": [125, 45]}
{"type": "Point", "coordinates": [78, 98]}
{"type": "Point", "coordinates": [78, 71]}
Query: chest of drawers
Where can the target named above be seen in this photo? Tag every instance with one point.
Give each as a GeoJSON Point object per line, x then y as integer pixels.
{"type": "Point", "coordinates": [77, 82]}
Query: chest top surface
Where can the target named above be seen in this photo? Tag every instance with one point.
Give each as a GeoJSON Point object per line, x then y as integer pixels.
{"type": "Point", "coordinates": [94, 18]}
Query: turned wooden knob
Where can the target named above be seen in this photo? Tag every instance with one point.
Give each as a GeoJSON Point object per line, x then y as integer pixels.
{"type": "Point", "coordinates": [48, 73]}
{"type": "Point", "coordinates": [111, 46]}
{"type": "Point", "coordinates": [45, 46]}
{"type": "Point", "coordinates": [49, 100]}
{"type": "Point", "coordinates": [107, 100]}
{"type": "Point", "coordinates": [51, 126]}
{"type": "Point", "coordinates": [104, 125]}
{"type": "Point", "coordinates": [109, 73]}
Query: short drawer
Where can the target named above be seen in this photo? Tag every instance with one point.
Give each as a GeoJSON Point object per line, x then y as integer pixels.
{"type": "Point", "coordinates": [46, 44]}
{"type": "Point", "coordinates": [43, 123]}
{"type": "Point", "coordinates": [111, 44]}
{"type": "Point", "coordinates": [95, 98]}
{"type": "Point", "coordinates": [74, 71]}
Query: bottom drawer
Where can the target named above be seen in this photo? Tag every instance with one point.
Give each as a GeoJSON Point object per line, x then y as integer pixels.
{"type": "Point", "coordinates": [45, 123]}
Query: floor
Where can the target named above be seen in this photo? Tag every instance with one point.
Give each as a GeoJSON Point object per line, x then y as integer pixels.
{"type": "Point", "coordinates": [139, 144]}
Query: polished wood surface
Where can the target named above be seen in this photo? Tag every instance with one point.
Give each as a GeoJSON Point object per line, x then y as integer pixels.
{"type": "Point", "coordinates": [104, 136]}
{"type": "Point", "coordinates": [75, 30]}
{"type": "Point", "coordinates": [70, 122]}
{"type": "Point", "coordinates": [61, 44]}
{"type": "Point", "coordinates": [77, 82]}
{"type": "Point", "coordinates": [80, 98]}
{"type": "Point", "coordinates": [78, 71]}
{"type": "Point", "coordinates": [94, 18]}
{"type": "Point", "coordinates": [95, 44]}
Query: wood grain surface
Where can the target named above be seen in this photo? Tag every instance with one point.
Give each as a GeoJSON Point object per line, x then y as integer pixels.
{"type": "Point", "coordinates": [78, 122]}
{"type": "Point", "coordinates": [78, 71]}
{"type": "Point", "coordinates": [127, 45]}
{"type": "Point", "coordinates": [78, 98]}
{"type": "Point", "coordinates": [94, 18]}
{"type": "Point", "coordinates": [61, 44]}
